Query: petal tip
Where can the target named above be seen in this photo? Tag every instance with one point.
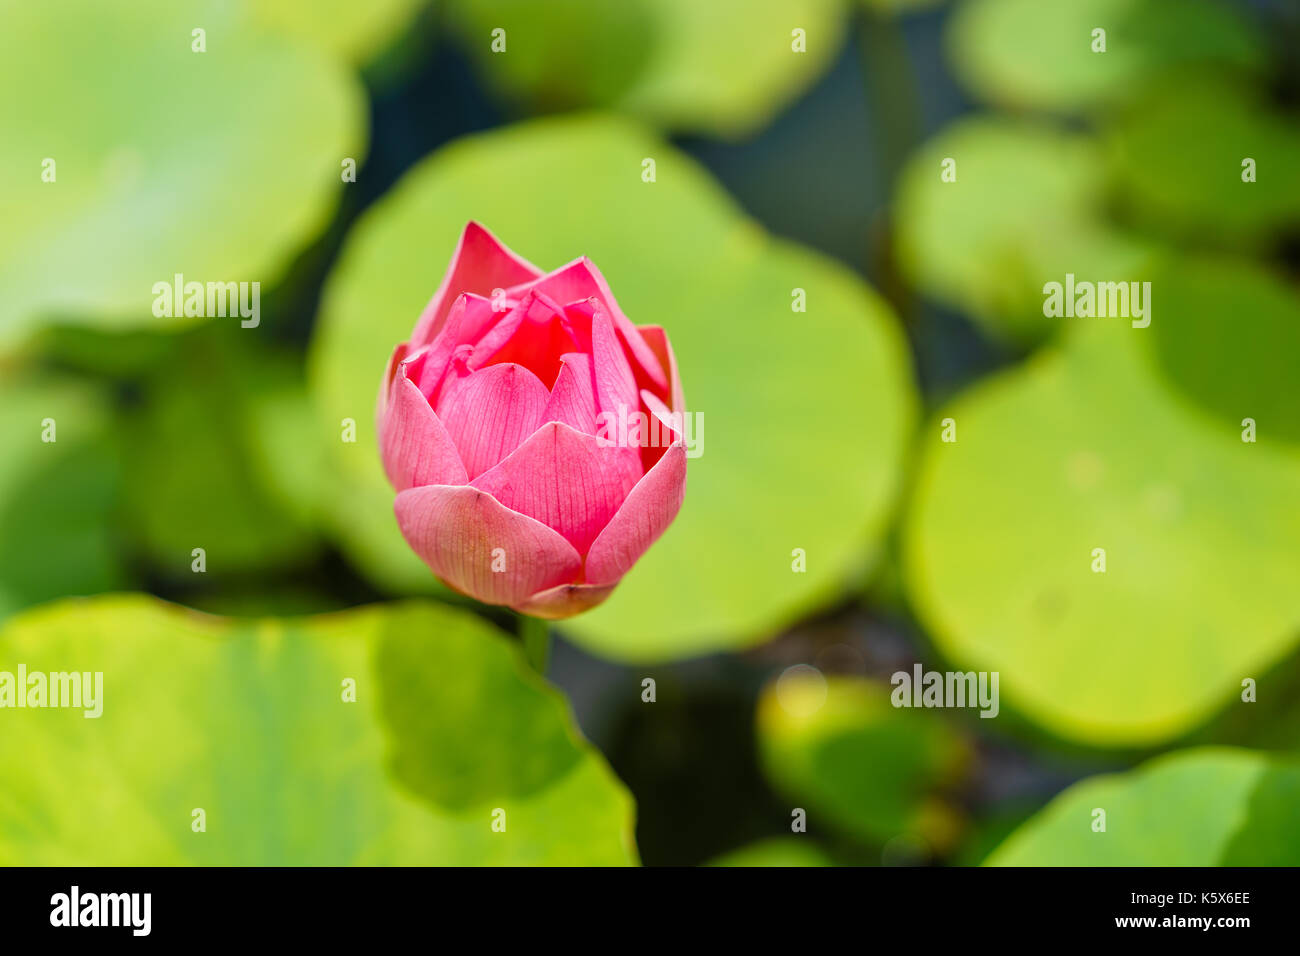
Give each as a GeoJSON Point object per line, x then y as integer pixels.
{"type": "Point", "coordinates": [566, 600]}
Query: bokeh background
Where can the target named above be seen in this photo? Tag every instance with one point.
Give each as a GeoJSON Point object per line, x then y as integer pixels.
{"type": "Point", "coordinates": [777, 170]}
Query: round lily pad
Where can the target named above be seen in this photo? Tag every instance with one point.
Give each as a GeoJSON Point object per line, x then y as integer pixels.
{"type": "Point", "coordinates": [1236, 188]}
{"type": "Point", "coordinates": [199, 468]}
{"type": "Point", "coordinates": [1122, 561]}
{"type": "Point", "coordinates": [343, 739]}
{"type": "Point", "coordinates": [840, 748]}
{"type": "Point", "coordinates": [357, 32]}
{"type": "Point", "coordinates": [726, 66]}
{"type": "Point", "coordinates": [1212, 806]}
{"type": "Point", "coordinates": [59, 481]}
{"type": "Point", "coordinates": [993, 208]}
{"type": "Point", "coordinates": [141, 159]}
{"type": "Point", "coordinates": [1235, 368]}
{"type": "Point", "coordinates": [898, 6]}
{"type": "Point", "coordinates": [1040, 55]}
{"type": "Point", "coordinates": [777, 851]}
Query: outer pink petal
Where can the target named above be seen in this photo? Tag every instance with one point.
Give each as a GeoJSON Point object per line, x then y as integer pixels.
{"type": "Point", "coordinates": [402, 364]}
{"type": "Point", "coordinates": [650, 508]}
{"type": "Point", "coordinates": [580, 279]}
{"type": "Point", "coordinates": [565, 600]}
{"type": "Point", "coordinates": [573, 399]}
{"type": "Point", "coordinates": [667, 431]}
{"type": "Point", "coordinates": [565, 480]}
{"type": "Point", "coordinates": [657, 339]}
{"type": "Point", "coordinates": [416, 447]}
{"type": "Point", "coordinates": [480, 264]}
{"type": "Point", "coordinates": [659, 431]}
{"type": "Point", "coordinates": [457, 529]}
{"type": "Point", "coordinates": [489, 412]}
{"type": "Point", "coordinates": [386, 386]}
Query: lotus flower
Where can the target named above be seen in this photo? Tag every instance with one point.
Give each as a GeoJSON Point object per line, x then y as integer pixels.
{"type": "Point", "coordinates": [504, 428]}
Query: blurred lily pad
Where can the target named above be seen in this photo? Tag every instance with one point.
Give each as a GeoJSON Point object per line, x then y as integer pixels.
{"type": "Point", "coordinates": [249, 721]}
{"type": "Point", "coordinates": [778, 851]}
{"type": "Point", "coordinates": [59, 481]}
{"type": "Point", "coordinates": [1233, 344]}
{"type": "Point", "coordinates": [1039, 55]}
{"type": "Point", "coordinates": [899, 6]}
{"type": "Point", "coordinates": [1022, 211]}
{"type": "Point", "coordinates": [214, 460]}
{"type": "Point", "coordinates": [802, 446]}
{"type": "Point", "coordinates": [839, 747]}
{"type": "Point", "coordinates": [726, 66]}
{"type": "Point", "coordinates": [286, 448]}
{"type": "Point", "coordinates": [439, 722]}
{"type": "Point", "coordinates": [101, 353]}
{"type": "Point", "coordinates": [216, 165]}
{"type": "Point", "coordinates": [1081, 449]}
{"type": "Point", "coordinates": [357, 32]}
{"type": "Point", "coordinates": [1174, 177]}
{"type": "Point", "coordinates": [1206, 807]}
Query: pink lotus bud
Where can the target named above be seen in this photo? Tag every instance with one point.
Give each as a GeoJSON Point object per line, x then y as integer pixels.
{"type": "Point", "coordinates": [533, 433]}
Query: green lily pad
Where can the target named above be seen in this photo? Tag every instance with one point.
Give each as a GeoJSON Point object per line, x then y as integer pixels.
{"type": "Point", "coordinates": [98, 353]}
{"type": "Point", "coordinates": [1206, 807]}
{"type": "Point", "coordinates": [838, 747]}
{"type": "Point", "coordinates": [1039, 55]}
{"type": "Point", "coordinates": [1023, 211]}
{"type": "Point", "coordinates": [1080, 449]}
{"type": "Point", "coordinates": [777, 472]}
{"type": "Point", "coordinates": [199, 472]}
{"type": "Point", "coordinates": [1271, 834]}
{"type": "Point", "coordinates": [1236, 369]}
{"type": "Point", "coordinates": [57, 498]}
{"type": "Point", "coordinates": [357, 32]}
{"type": "Point", "coordinates": [899, 6]}
{"type": "Point", "coordinates": [1175, 177]}
{"type": "Point", "coordinates": [247, 720]}
{"type": "Point", "coordinates": [219, 166]}
{"type": "Point", "coordinates": [725, 67]}
{"type": "Point", "coordinates": [533, 740]}
{"type": "Point", "coordinates": [778, 851]}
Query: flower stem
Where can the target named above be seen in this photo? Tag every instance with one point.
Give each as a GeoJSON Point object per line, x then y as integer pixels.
{"type": "Point", "coordinates": [535, 634]}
